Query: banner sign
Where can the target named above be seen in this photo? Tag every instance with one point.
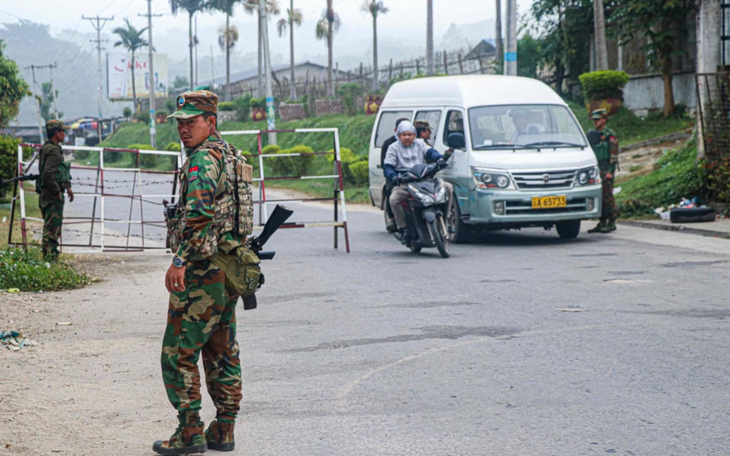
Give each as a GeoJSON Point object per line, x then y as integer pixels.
{"type": "Point", "coordinates": [119, 80]}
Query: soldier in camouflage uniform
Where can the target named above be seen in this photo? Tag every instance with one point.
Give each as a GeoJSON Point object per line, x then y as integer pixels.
{"type": "Point", "coordinates": [54, 179]}
{"type": "Point", "coordinates": [202, 314]}
{"type": "Point", "coordinates": [607, 154]}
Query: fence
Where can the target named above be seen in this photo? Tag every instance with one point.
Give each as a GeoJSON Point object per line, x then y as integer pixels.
{"type": "Point", "coordinates": [713, 107]}
{"type": "Point", "coordinates": [338, 197]}
{"type": "Point", "coordinates": [101, 195]}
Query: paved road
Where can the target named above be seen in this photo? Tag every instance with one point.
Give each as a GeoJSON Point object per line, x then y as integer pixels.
{"type": "Point", "coordinates": [519, 344]}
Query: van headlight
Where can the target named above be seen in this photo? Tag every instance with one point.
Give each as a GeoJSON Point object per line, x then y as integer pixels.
{"type": "Point", "coordinates": [588, 176]}
{"type": "Point", "coordinates": [492, 179]}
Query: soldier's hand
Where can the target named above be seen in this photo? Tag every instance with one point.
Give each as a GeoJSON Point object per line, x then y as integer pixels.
{"type": "Point", "coordinates": [609, 175]}
{"type": "Point", "coordinates": [175, 279]}
{"type": "Point", "coordinates": [70, 195]}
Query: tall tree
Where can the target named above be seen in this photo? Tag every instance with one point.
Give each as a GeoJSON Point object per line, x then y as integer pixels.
{"type": "Point", "coordinates": [12, 88]}
{"type": "Point", "coordinates": [498, 32]}
{"type": "Point", "coordinates": [375, 8]}
{"type": "Point", "coordinates": [600, 34]}
{"type": "Point", "coordinates": [192, 7]}
{"type": "Point", "coordinates": [227, 36]}
{"type": "Point", "coordinates": [294, 17]}
{"type": "Point", "coordinates": [429, 38]}
{"type": "Point", "coordinates": [661, 22]}
{"type": "Point", "coordinates": [272, 9]}
{"type": "Point", "coordinates": [132, 39]}
{"type": "Point", "coordinates": [46, 99]}
{"type": "Point", "coordinates": [326, 28]}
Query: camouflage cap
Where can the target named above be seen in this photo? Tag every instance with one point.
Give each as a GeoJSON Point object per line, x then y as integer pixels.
{"type": "Point", "coordinates": [422, 125]}
{"type": "Point", "coordinates": [599, 114]}
{"type": "Point", "coordinates": [53, 125]}
{"type": "Point", "coordinates": [194, 103]}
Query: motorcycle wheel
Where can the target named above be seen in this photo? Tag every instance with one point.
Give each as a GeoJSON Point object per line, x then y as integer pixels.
{"type": "Point", "coordinates": [439, 238]}
{"type": "Point", "coordinates": [415, 248]}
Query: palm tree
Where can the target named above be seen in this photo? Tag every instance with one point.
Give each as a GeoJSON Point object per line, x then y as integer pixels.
{"type": "Point", "coordinates": [294, 18]}
{"type": "Point", "coordinates": [326, 28]}
{"type": "Point", "coordinates": [429, 38]}
{"type": "Point", "coordinates": [375, 7]}
{"type": "Point", "coordinates": [600, 31]}
{"type": "Point", "coordinates": [132, 39]}
{"type": "Point", "coordinates": [192, 7]}
{"type": "Point", "coordinates": [498, 32]}
{"type": "Point", "coordinates": [252, 7]}
{"type": "Point", "coordinates": [228, 36]}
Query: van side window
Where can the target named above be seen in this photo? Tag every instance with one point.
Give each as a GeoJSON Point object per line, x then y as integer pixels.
{"type": "Point", "coordinates": [386, 125]}
{"type": "Point", "coordinates": [454, 124]}
{"type": "Point", "coordinates": [432, 117]}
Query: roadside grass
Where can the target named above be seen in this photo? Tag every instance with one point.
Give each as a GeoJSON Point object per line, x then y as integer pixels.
{"type": "Point", "coordinates": [675, 176]}
{"type": "Point", "coordinates": [27, 271]}
{"type": "Point", "coordinates": [31, 208]}
{"type": "Point", "coordinates": [632, 129]}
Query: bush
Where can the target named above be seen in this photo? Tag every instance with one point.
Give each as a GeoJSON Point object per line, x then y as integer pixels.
{"type": "Point", "coordinates": [27, 271]}
{"type": "Point", "coordinates": [346, 156]}
{"type": "Point", "coordinates": [360, 173]}
{"type": "Point", "coordinates": [8, 160]}
{"type": "Point", "coordinates": [243, 107]}
{"type": "Point", "coordinates": [143, 116]}
{"type": "Point", "coordinates": [349, 94]}
{"type": "Point", "coordinates": [127, 111]}
{"type": "Point", "coordinates": [278, 165]}
{"type": "Point", "coordinates": [173, 146]}
{"type": "Point", "coordinates": [171, 105]}
{"type": "Point", "coordinates": [603, 85]}
{"type": "Point", "coordinates": [145, 160]}
{"type": "Point", "coordinates": [227, 106]}
{"type": "Point", "coordinates": [258, 103]}
{"type": "Point", "coordinates": [299, 166]}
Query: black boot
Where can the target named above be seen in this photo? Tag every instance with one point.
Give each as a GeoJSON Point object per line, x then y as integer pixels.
{"type": "Point", "coordinates": [405, 237]}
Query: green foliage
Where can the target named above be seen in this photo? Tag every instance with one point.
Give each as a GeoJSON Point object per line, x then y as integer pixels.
{"type": "Point", "coordinates": [170, 105]}
{"type": "Point", "coordinates": [143, 117]}
{"type": "Point", "coordinates": [717, 184]}
{"type": "Point", "coordinates": [12, 88]}
{"type": "Point", "coordinates": [46, 101]}
{"type": "Point", "coordinates": [349, 94]}
{"type": "Point", "coordinates": [258, 103]}
{"type": "Point", "coordinates": [530, 54]}
{"type": "Point", "coordinates": [602, 85]}
{"type": "Point", "coordinates": [127, 111]}
{"type": "Point", "coordinates": [346, 156]}
{"type": "Point", "coordinates": [226, 106]}
{"type": "Point", "coordinates": [173, 146]}
{"type": "Point", "coordinates": [676, 175]}
{"type": "Point", "coordinates": [360, 172]}
{"type": "Point", "coordinates": [28, 271]}
{"type": "Point", "coordinates": [277, 165]}
{"type": "Point", "coordinates": [299, 166]}
{"type": "Point", "coordinates": [8, 160]}
{"type": "Point", "coordinates": [243, 107]}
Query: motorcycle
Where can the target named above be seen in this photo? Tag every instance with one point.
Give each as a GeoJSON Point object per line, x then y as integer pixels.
{"type": "Point", "coordinates": [426, 208]}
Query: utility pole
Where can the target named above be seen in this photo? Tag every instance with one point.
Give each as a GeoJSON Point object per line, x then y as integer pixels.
{"type": "Point", "coordinates": [270, 109]}
{"type": "Point", "coordinates": [510, 55]}
{"type": "Point", "coordinates": [196, 51]}
{"type": "Point", "coordinates": [53, 91]}
{"type": "Point", "coordinates": [38, 103]}
{"type": "Point", "coordinates": [212, 69]}
{"type": "Point", "coordinates": [151, 68]}
{"type": "Point", "coordinates": [98, 26]}
{"type": "Point", "coordinates": [429, 38]}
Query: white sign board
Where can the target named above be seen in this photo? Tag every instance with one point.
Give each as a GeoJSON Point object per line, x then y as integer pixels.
{"type": "Point", "coordinates": [117, 89]}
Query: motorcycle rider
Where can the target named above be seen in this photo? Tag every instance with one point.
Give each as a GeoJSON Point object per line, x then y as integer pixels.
{"type": "Point", "coordinates": [388, 187]}
{"type": "Point", "coordinates": [402, 155]}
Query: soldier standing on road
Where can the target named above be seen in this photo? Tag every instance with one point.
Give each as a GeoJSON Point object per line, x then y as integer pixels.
{"type": "Point", "coordinates": [54, 178]}
{"type": "Point", "coordinates": [607, 154]}
{"type": "Point", "coordinates": [215, 220]}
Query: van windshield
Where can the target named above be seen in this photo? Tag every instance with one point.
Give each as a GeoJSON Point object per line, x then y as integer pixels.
{"type": "Point", "coordinates": [524, 126]}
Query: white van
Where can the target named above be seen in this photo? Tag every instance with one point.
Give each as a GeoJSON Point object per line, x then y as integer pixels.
{"type": "Point", "coordinates": [524, 160]}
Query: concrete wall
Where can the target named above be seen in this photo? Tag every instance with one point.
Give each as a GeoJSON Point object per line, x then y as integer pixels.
{"type": "Point", "coordinates": [646, 93]}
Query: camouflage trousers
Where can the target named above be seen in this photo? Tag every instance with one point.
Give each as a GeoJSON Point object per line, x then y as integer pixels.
{"type": "Point", "coordinates": [609, 211]}
{"type": "Point", "coordinates": [202, 319]}
{"type": "Point", "coordinates": [52, 224]}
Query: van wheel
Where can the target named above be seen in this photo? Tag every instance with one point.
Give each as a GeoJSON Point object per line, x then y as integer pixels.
{"type": "Point", "coordinates": [568, 229]}
{"type": "Point", "coordinates": [462, 231]}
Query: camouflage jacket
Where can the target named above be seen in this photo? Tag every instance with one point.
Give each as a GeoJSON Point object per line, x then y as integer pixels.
{"type": "Point", "coordinates": [215, 189]}
{"type": "Point", "coordinates": [607, 151]}
{"type": "Point", "coordinates": [49, 161]}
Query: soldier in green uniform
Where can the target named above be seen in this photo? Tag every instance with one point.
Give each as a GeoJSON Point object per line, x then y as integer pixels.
{"type": "Point", "coordinates": [607, 154]}
{"type": "Point", "coordinates": [54, 178]}
{"type": "Point", "coordinates": [213, 217]}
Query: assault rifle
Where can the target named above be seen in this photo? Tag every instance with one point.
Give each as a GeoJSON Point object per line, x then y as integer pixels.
{"type": "Point", "coordinates": [21, 178]}
{"type": "Point", "coordinates": [280, 215]}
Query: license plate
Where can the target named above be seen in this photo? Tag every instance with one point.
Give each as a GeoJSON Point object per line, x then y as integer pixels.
{"type": "Point", "coordinates": [548, 202]}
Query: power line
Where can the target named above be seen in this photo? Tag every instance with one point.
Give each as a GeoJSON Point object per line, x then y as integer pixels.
{"type": "Point", "coordinates": [98, 26]}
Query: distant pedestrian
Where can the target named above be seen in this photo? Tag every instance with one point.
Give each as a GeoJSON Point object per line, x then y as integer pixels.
{"type": "Point", "coordinates": [54, 178]}
{"type": "Point", "coordinates": [606, 151]}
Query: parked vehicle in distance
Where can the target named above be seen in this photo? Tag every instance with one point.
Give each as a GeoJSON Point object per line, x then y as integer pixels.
{"type": "Point", "coordinates": [522, 159]}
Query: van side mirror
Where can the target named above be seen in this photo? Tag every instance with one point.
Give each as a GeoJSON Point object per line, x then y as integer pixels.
{"type": "Point", "coordinates": [456, 140]}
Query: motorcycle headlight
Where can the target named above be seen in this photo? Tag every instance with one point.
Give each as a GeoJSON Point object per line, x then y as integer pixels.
{"type": "Point", "coordinates": [425, 198]}
{"type": "Point", "coordinates": [441, 195]}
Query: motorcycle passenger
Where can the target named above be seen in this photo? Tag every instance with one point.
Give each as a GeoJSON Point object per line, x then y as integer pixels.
{"type": "Point", "coordinates": [388, 186]}
{"type": "Point", "coordinates": [402, 155]}
{"type": "Point", "coordinates": [423, 131]}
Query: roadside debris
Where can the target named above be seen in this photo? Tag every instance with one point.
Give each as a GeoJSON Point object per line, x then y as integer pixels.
{"type": "Point", "coordinates": [64, 323]}
{"type": "Point", "coordinates": [686, 211]}
{"type": "Point", "coordinates": [15, 340]}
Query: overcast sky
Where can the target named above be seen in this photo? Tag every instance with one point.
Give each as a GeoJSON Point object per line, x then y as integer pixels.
{"type": "Point", "coordinates": [406, 20]}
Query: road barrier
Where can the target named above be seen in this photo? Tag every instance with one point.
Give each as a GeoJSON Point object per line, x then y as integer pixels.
{"type": "Point", "coordinates": [338, 197]}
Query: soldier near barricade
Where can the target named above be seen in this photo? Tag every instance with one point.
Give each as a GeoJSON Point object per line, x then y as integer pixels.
{"type": "Point", "coordinates": [606, 150]}
{"type": "Point", "coordinates": [209, 227]}
{"type": "Point", "coordinates": [54, 179]}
